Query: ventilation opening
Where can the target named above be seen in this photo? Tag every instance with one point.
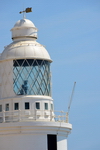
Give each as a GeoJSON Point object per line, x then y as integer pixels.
{"type": "Point", "coordinates": [52, 142]}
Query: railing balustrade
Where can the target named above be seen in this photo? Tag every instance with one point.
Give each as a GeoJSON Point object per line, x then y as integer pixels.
{"type": "Point", "coordinates": [33, 115]}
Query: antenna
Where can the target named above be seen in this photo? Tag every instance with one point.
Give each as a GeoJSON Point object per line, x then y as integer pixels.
{"type": "Point", "coordinates": [70, 101]}
{"type": "Point", "coordinates": [27, 10]}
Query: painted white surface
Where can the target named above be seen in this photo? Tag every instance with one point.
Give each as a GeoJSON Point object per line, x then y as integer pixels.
{"type": "Point", "coordinates": [24, 45]}
{"type": "Point", "coordinates": [32, 135]}
{"type": "Point", "coordinates": [26, 127]}
{"type": "Point", "coordinates": [23, 142]}
{"type": "Point", "coordinates": [61, 143]}
{"type": "Point", "coordinates": [6, 75]}
{"type": "Point", "coordinates": [24, 28]}
{"type": "Point", "coordinates": [0, 80]}
{"type": "Point", "coordinates": [30, 114]}
{"type": "Point", "coordinates": [26, 134]}
{"type": "Point", "coordinates": [25, 49]}
{"type": "Point", "coordinates": [24, 23]}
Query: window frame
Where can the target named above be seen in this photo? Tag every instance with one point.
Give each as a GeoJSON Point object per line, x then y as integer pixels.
{"type": "Point", "coordinates": [7, 107]}
{"type": "Point", "coordinates": [0, 107]}
{"type": "Point", "coordinates": [46, 106]}
{"type": "Point", "coordinates": [36, 106]}
{"type": "Point", "coordinates": [16, 107]}
{"type": "Point", "coordinates": [52, 107]}
{"type": "Point", "coordinates": [27, 108]}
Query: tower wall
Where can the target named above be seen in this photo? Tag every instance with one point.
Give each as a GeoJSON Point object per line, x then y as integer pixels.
{"type": "Point", "coordinates": [6, 75]}
{"type": "Point", "coordinates": [34, 135]}
{"type": "Point", "coordinates": [29, 142]}
{"type": "Point", "coordinates": [27, 117]}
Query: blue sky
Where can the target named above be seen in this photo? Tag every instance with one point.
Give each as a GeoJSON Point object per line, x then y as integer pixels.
{"type": "Point", "coordinates": [70, 30]}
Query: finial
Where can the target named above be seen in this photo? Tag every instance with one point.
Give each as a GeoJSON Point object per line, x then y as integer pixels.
{"type": "Point", "coordinates": [27, 10]}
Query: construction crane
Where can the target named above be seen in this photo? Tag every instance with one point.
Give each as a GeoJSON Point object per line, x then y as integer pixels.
{"type": "Point", "coordinates": [70, 101]}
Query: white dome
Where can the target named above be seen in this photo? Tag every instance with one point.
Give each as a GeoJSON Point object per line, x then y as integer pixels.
{"type": "Point", "coordinates": [25, 50]}
{"type": "Point", "coordinates": [24, 28]}
{"type": "Point", "coordinates": [24, 46]}
{"type": "Point", "coordinates": [23, 23]}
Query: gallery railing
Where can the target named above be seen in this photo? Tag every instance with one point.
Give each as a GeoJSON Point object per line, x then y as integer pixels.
{"type": "Point", "coordinates": [33, 115]}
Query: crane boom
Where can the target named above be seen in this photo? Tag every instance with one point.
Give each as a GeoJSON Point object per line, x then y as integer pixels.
{"type": "Point", "coordinates": [70, 101]}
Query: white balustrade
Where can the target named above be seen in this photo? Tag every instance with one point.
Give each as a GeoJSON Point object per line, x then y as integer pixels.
{"type": "Point", "coordinates": [33, 115]}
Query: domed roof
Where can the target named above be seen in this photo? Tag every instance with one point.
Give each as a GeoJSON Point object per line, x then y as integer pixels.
{"type": "Point", "coordinates": [24, 23]}
{"type": "Point", "coordinates": [24, 28]}
{"type": "Point", "coordinates": [25, 50]}
{"type": "Point", "coordinates": [24, 35]}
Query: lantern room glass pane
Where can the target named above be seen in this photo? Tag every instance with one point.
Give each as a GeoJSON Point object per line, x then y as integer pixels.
{"type": "Point", "coordinates": [31, 77]}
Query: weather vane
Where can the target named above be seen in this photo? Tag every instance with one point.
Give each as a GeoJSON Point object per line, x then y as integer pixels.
{"type": "Point", "coordinates": [27, 10]}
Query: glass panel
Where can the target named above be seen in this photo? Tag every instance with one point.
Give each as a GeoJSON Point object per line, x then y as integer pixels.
{"type": "Point", "coordinates": [16, 106]}
{"type": "Point", "coordinates": [7, 107]}
{"type": "Point", "coordinates": [31, 77]}
{"type": "Point", "coordinates": [27, 105]}
{"type": "Point", "coordinates": [0, 108]}
{"type": "Point", "coordinates": [37, 105]}
{"type": "Point", "coordinates": [46, 106]}
{"type": "Point", "coordinates": [51, 106]}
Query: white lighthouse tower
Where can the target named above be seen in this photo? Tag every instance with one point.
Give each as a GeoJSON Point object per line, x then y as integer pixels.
{"type": "Point", "coordinates": [28, 120]}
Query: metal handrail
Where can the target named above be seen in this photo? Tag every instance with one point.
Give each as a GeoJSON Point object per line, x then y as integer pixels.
{"type": "Point", "coordinates": [33, 115]}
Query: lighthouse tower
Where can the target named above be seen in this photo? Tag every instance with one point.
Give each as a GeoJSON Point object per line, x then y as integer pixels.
{"type": "Point", "coordinates": [28, 120]}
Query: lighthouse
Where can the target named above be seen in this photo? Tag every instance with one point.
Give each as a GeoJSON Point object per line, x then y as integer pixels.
{"type": "Point", "coordinates": [28, 120]}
